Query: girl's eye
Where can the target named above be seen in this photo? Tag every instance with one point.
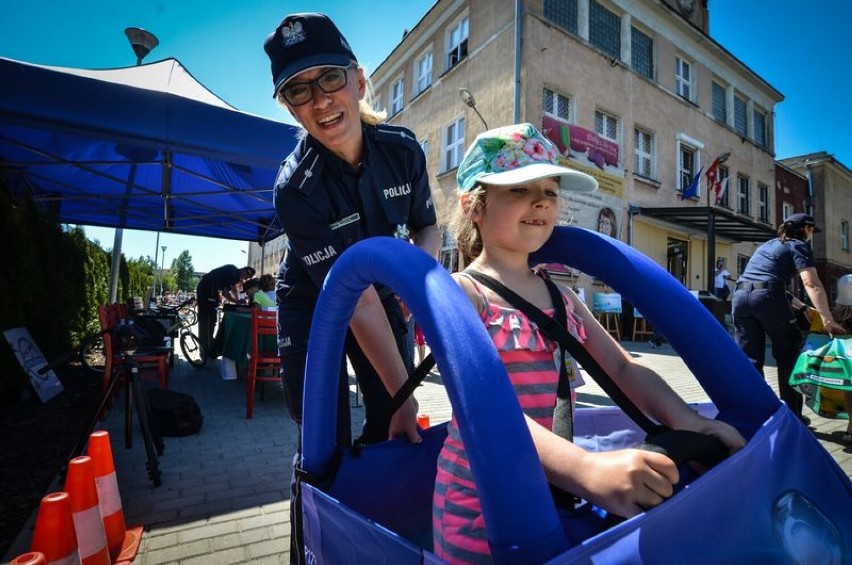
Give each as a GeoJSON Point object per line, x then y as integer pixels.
{"type": "Point", "coordinates": [519, 190]}
{"type": "Point", "coordinates": [552, 194]}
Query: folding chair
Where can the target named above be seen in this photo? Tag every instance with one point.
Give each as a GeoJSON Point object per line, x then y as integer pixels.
{"type": "Point", "coordinates": [151, 366]}
{"type": "Point", "coordinates": [263, 362]}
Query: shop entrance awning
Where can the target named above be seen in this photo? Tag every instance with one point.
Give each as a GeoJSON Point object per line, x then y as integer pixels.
{"type": "Point", "coordinates": [725, 222]}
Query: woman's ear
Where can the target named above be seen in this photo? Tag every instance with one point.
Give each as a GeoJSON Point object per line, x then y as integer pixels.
{"type": "Point", "coordinates": [362, 83]}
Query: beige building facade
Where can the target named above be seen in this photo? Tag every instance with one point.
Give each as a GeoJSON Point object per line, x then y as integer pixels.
{"type": "Point", "coordinates": [634, 92]}
{"type": "Point", "coordinates": [829, 200]}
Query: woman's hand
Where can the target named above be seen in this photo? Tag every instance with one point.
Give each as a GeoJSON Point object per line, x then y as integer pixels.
{"type": "Point", "coordinates": [833, 328]}
{"type": "Point", "coordinates": [404, 422]}
{"type": "Point", "coordinates": [628, 481]}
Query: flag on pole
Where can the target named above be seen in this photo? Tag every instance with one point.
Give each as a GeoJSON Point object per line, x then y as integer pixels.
{"type": "Point", "coordinates": [692, 190]}
{"type": "Point", "coordinates": [715, 183]}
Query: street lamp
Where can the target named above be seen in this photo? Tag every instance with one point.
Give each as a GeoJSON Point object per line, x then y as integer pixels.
{"type": "Point", "coordinates": [470, 101]}
{"type": "Point", "coordinates": [162, 269]}
{"type": "Point", "coordinates": [142, 42]}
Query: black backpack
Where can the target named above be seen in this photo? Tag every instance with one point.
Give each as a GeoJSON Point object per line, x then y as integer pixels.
{"type": "Point", "coordinates": [173, 414]}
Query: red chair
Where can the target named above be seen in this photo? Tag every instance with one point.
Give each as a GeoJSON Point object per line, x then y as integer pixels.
{"type": "Point", "coordinates": [153, 366]}
{"type": "Point", "coordinates": [263, 363]}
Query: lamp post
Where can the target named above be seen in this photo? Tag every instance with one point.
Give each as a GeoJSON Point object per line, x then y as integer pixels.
{"type": "Point", "coordinates": [162, 269]}
{"type": "Point", "coordinates": [468, 99]}
{"type": "Point", "coordinates": [142, 42]}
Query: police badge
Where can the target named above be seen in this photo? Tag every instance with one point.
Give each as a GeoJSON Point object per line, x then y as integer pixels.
{"type": "Point", "coordinates": [401, 232]}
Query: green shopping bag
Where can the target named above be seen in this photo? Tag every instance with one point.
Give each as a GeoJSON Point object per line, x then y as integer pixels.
{"type": "Point", "coordinates": [822, 371]}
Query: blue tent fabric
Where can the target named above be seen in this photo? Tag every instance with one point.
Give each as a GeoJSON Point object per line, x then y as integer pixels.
{"type": "Point", "coordinates": [145, 148]}
{"type": "Point", "coordinates": [781, 494]}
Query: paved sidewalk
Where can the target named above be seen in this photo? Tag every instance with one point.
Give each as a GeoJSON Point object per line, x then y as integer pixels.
{"type": "Point", "coordinates": [224, 496]}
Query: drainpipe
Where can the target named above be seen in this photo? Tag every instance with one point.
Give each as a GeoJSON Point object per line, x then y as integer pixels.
{"type": "Point", "coordinates": [517, 115]}
{"type": "Point", "coordinates": [632, 210]}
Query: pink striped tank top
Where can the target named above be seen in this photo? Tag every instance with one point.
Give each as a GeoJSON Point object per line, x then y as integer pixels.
{"type": "Point", "coordinates": [530, 359]}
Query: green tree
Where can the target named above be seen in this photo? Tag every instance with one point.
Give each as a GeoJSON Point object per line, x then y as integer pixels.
{"type": "Point", "coordinates": [183, 270]}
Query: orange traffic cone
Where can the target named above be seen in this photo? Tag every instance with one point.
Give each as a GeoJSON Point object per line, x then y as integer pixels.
{"type": "Point", "coordinates": [54, 530]}
{"type": "Point", "coordinates": [123, 542]}
{"type": "Point", "coordinates": [80, 485]}
{"type": "Point", "coordinates": [31, 558]}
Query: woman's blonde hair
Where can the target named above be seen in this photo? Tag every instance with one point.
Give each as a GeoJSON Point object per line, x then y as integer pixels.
{"type": "Point", "coordinates": [367, 113]}
{"type": "Point", "coordinates": [462, 226]}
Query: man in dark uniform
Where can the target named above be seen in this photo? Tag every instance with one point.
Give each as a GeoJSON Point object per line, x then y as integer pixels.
{"type": "Point", "coordinates": [221, 279]}
{"type": "Point", "coordinates": [760, 306]}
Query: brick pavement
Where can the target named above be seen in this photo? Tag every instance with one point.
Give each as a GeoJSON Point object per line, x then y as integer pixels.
{"type": "Point", "coordinates": [224, 496]}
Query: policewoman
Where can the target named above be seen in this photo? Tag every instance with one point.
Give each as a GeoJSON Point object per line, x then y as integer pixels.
{"type": "Point", "coordinates": [760, 307]}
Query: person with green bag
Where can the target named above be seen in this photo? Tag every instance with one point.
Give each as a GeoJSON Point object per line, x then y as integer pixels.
{"type": "Point", "coordinates": [830, 400]}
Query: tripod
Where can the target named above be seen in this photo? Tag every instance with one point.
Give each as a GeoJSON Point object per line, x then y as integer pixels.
{"type": "Point", "coordinates": [134, 394]}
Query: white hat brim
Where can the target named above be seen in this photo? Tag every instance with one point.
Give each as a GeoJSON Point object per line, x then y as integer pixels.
{"type": "Point", "coordinates": [569, 179]}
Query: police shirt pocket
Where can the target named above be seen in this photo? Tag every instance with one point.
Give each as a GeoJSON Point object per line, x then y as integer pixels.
{"type": "Point", "coordinates": [348, 229]}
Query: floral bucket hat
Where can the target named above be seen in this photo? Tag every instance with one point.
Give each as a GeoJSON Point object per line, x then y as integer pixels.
{"type": "Point", "coordinates": [514, 155]}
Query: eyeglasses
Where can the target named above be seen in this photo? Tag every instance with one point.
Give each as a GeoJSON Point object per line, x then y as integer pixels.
{"type": "Point", "coordinates": [330, 81]}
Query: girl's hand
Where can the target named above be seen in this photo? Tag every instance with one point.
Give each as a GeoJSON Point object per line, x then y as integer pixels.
{"type": "Point", "coordinates": [628, 481]}
{"type": "Point", "coordinates": [724, 432]}
{"type": "Point", "coordinates": [404, 422]}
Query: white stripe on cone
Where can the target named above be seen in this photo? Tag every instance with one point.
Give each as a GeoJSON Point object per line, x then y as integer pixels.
{"type": "Point", "coordinates": [109, 499]}
{"type": "Point", "coordinates": [90, 532]}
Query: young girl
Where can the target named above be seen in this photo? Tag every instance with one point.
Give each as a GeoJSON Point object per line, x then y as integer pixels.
{"type": "Point", "coordinates": [509, 183]}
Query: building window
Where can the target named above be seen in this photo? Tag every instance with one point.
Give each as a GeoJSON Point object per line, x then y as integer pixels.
{"type": "Point", "coordinates": [844, 236]}
{"type": "Point", "coordinates": [642, 53]}
{"type": "Point", "coordinates": [743, 203]}
{"type": "Point", "coordinates": [562, 13]}
{"type": "Point", "coordinates": [449, 255]}
{"type": "Point", "coordinates": [742, 262]}
{"type": "Point", "coordinates": [720, 103]}
{"type": "Point", "coordinates": [453, 149]}
{"type": "Point", "coordinates": [457, 43]}
{"type": "Point", "coordinates": [556, 105]}
{"type": "Point", "coordinates": [604, 30]}
{"type": "Point", "coordinates": [683, 78]}
{"type": "Point", "coordinates": [424, 145]}
{"type": "Point", "coordinates": [643, 153]}
{"type": "Point", "coordinates": [763, 202]}
{"type": "Point", "coordinates": [377, 103]}
{"type": "Point", "coordinates": [759, 127]}
{"type": "Point", "coordinates": [724, 174]}
{"type": "Point", "coordinates": [740, 116]}
{"type": "Point", "coordinates": [606, 125]}
{"type": "Point", "coordinates": [423, 69]}
{"type": "Point", "coordinates": [786, 210]}
{"type": "Point", "coordinates": [687, 166]}
{"type": "Point", "coordinates": [396, 96]}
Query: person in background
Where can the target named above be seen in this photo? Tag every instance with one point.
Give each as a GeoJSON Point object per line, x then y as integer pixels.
{"type": "Point", "coordinates": [267, 286]}
{"type": "Point", "coordinates": [350, 177]}
{"type": "Point", "coordinates": [224, 280]}
{"type": "Point", "coordinates": [720, 285]}
{"type": "Point", "coordinates": [760, 307]}
{"type": "Point", "coordinates": [254, 296]}
{"type": "Point", "coordinates": [842, 314]}
{"type": "Point", "coordinates": [509, 184]}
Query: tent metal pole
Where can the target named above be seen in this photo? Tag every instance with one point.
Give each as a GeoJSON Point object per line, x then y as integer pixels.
{"type": "Point", "coordinates": [119, 235]}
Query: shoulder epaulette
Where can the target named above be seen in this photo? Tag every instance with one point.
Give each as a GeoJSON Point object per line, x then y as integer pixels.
{"type": "Point", "coordinates": [299, 170]}
{"type": "Point", "coordinates": [396, 134]}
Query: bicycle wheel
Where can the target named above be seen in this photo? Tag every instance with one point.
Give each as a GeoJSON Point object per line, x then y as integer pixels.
{"type": "Point", "coordinates": [187, 316]}
{"type": "Point", "coordinates": [93, 355]}
{"type": "Point", "coordinates": [192, 350]}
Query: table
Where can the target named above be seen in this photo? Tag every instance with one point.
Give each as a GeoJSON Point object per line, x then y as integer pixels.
{"type": "Point", "coordinates": [236, 337]}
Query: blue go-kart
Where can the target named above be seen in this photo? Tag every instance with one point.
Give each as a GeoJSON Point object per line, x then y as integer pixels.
{"type": "Point", "coordinates": [781, 499]}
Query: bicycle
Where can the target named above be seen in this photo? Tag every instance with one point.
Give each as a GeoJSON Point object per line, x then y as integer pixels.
{"type": "Point", "coordinates": [185, 317]}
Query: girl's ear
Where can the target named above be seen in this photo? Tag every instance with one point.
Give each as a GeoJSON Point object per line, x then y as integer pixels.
{"type": "Point", "coordinates": [471, 207]}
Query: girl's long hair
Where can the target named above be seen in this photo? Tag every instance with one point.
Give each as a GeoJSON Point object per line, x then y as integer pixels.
{"type": "Point", "coordinates": [464, 229]}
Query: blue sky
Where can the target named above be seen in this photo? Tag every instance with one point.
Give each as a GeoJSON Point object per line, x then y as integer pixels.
{"type": "Point", "coordinates": [799, 48]}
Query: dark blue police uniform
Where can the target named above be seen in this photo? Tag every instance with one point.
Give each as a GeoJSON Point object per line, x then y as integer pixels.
{"type": "Point", "coordinates": [325, 206]}
{"type": "Point", "coordinates": [760, 308]}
